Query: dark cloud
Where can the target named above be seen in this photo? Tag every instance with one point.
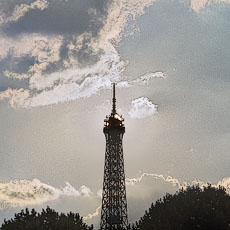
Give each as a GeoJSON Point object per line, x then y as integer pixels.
{"type": "Point", "coordinates": [85, 56]}
{"type": "Point", "coordinates": [19, 65]}
{"type": "Point", "coordinates": [6, 83]}
{"type": "Point", "coordinates": [69, 19]}
{"type": "Point", "coordinates": [61, 17]}
{"type": "Point", "coordinates": [8, 5]}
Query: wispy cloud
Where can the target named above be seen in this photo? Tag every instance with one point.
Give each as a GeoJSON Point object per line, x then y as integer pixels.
{"type": "Point", "coordinates": [146, 78]}
{"type": "Point", "coordinates": [173, 181]}
{"type": "Point", "coordinates": [92, 215]}
{"type": "Point", "coordinates": [225, 182]}
{"type": "Point", "coordinates": [19, 76]}
{"type": "Point", "coordinates": [20, 10]}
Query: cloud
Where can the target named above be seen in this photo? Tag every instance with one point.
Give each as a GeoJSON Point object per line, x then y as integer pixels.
{"type": "Point", "coordinates": [32, 44]}
{"type": "Point", "coordinates": [198, 5]}
{"type": "Point", "coordinates": [76, 66]}
{"type": "Point", "coordinates": [66, 58]}
{"type": "Point", "coordinates": [17, 193]}
{"type": "Point", "coordinates": [95, 214]}
{"type": "Point", "coordinates": [16, 97]}
{"type": "Point", "coordinates": [225, 182]}
{"type": "Point", "coordinates": [85, 191]}
{"type": "Point", "coordinates": [150, 186]}
{"type": "Point", "coordinates": [99, 193]}
{"type": "Point", "coordinates": [15, 75]}
{"type": "Point", "coordinates": [141, 108]}
{"type": "Point", "coordinates": [71, 17]}
{"type": "Point", "coordinates": [173, 181]}
{"type": "Point", "coordinates": [69, 91]}
{"type": "Point", "coordinates": [118, 16]}
{"type": "Point", "coordinates": [41, 51]}
{"type": "Point", "coordinates": [130, 182]}
{"type": "Point", "coordinates": [146, 78]}
{"type": "Point", "coordinates": [20, 10]}
{"type": "Point", "coordinates": [146, 178]}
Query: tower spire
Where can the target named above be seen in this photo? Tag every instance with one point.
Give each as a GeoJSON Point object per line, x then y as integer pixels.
{"type": "Point", "coordinates": [114, 99]}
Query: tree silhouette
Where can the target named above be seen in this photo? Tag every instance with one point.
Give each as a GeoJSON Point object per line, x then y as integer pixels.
{"type": "Point", "coordinates": [190, 209]}
{"type": "Point", "coordinates": [48, 219]}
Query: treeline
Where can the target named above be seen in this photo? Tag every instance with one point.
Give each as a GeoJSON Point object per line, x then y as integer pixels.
{"type": "Point", "coordinates": [48, 219]}
{"type": "Point", "coordinates": [190, 209]}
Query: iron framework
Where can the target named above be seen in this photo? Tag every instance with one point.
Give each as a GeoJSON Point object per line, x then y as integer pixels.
{"type": "Point", "coordinates": [114, 203]}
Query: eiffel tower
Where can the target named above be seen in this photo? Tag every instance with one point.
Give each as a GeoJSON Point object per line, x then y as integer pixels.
{"type": "Point", "coordinates": [114, 203]}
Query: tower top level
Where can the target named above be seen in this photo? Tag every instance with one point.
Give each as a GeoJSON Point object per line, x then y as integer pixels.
{"type": "Point", "coordinates": [114, 120]}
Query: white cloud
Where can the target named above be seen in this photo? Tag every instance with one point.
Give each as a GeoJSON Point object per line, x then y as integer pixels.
{"type": "Point", "coordinates": [92, 215]}
{"type": "Point", "coordinates": [69, 92]}
{"type": "Point", "coordinates": [85, 191]}
{"type": "Point", "coordinates": [15, 75]}
{"type": "Point", "coordinates": [119, 14]}
{"type": "Point", "coordinates": [44, 49]}
{"type": "Point", "coordinates": [198, 5]}
{"type": "Point", "coordinates": [16, 97]}
{"type": "Point", "coordinates": [70, 79]}
{"type": "Point", "coordinates": [225, 182]}
{"type": "Point", "coordinates": [99, 193]}
{"type": "Point", "coordinates": [141, 108]}
{"type": "Point", "coordinates": [74, 81]}
{"type": "Point", "coordinates": [144, 79]}
{"type": "Point", "coordinates": [17, 193]}
{"type": "Point", "coordinates": [22, 193]}
{"type": "Point", "coordinates": [20, 10]}
{"type": "Point", "coordinates": [36, 45]}
{"type": "Point", "coordinates": [173, 181]}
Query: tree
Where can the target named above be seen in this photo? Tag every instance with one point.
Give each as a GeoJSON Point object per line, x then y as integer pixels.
{"type": "Point", "coordinates": [190, 209]}
{"type": "Point", "coordinates": [48, 219]}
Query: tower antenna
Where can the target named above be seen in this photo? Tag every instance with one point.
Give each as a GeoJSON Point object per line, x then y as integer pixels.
{"type": "Point", "coordinates": [114, 99]}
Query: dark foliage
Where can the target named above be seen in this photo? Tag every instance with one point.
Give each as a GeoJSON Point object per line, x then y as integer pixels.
{"type": "Point", "coordinates": [48, 219]}
{"type": "Point", "coordinates": [191, 209]}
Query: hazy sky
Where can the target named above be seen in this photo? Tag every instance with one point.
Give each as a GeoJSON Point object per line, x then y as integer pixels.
{"type": "Point", "coordinates": [58, 58]}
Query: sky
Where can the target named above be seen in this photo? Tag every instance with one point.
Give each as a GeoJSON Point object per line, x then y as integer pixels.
{"type": "Point", "coordinates": [58, 59]}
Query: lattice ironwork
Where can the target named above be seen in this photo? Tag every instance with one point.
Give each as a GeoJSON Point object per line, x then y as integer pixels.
{"type": "Point", "coordinates": [114, 203]}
